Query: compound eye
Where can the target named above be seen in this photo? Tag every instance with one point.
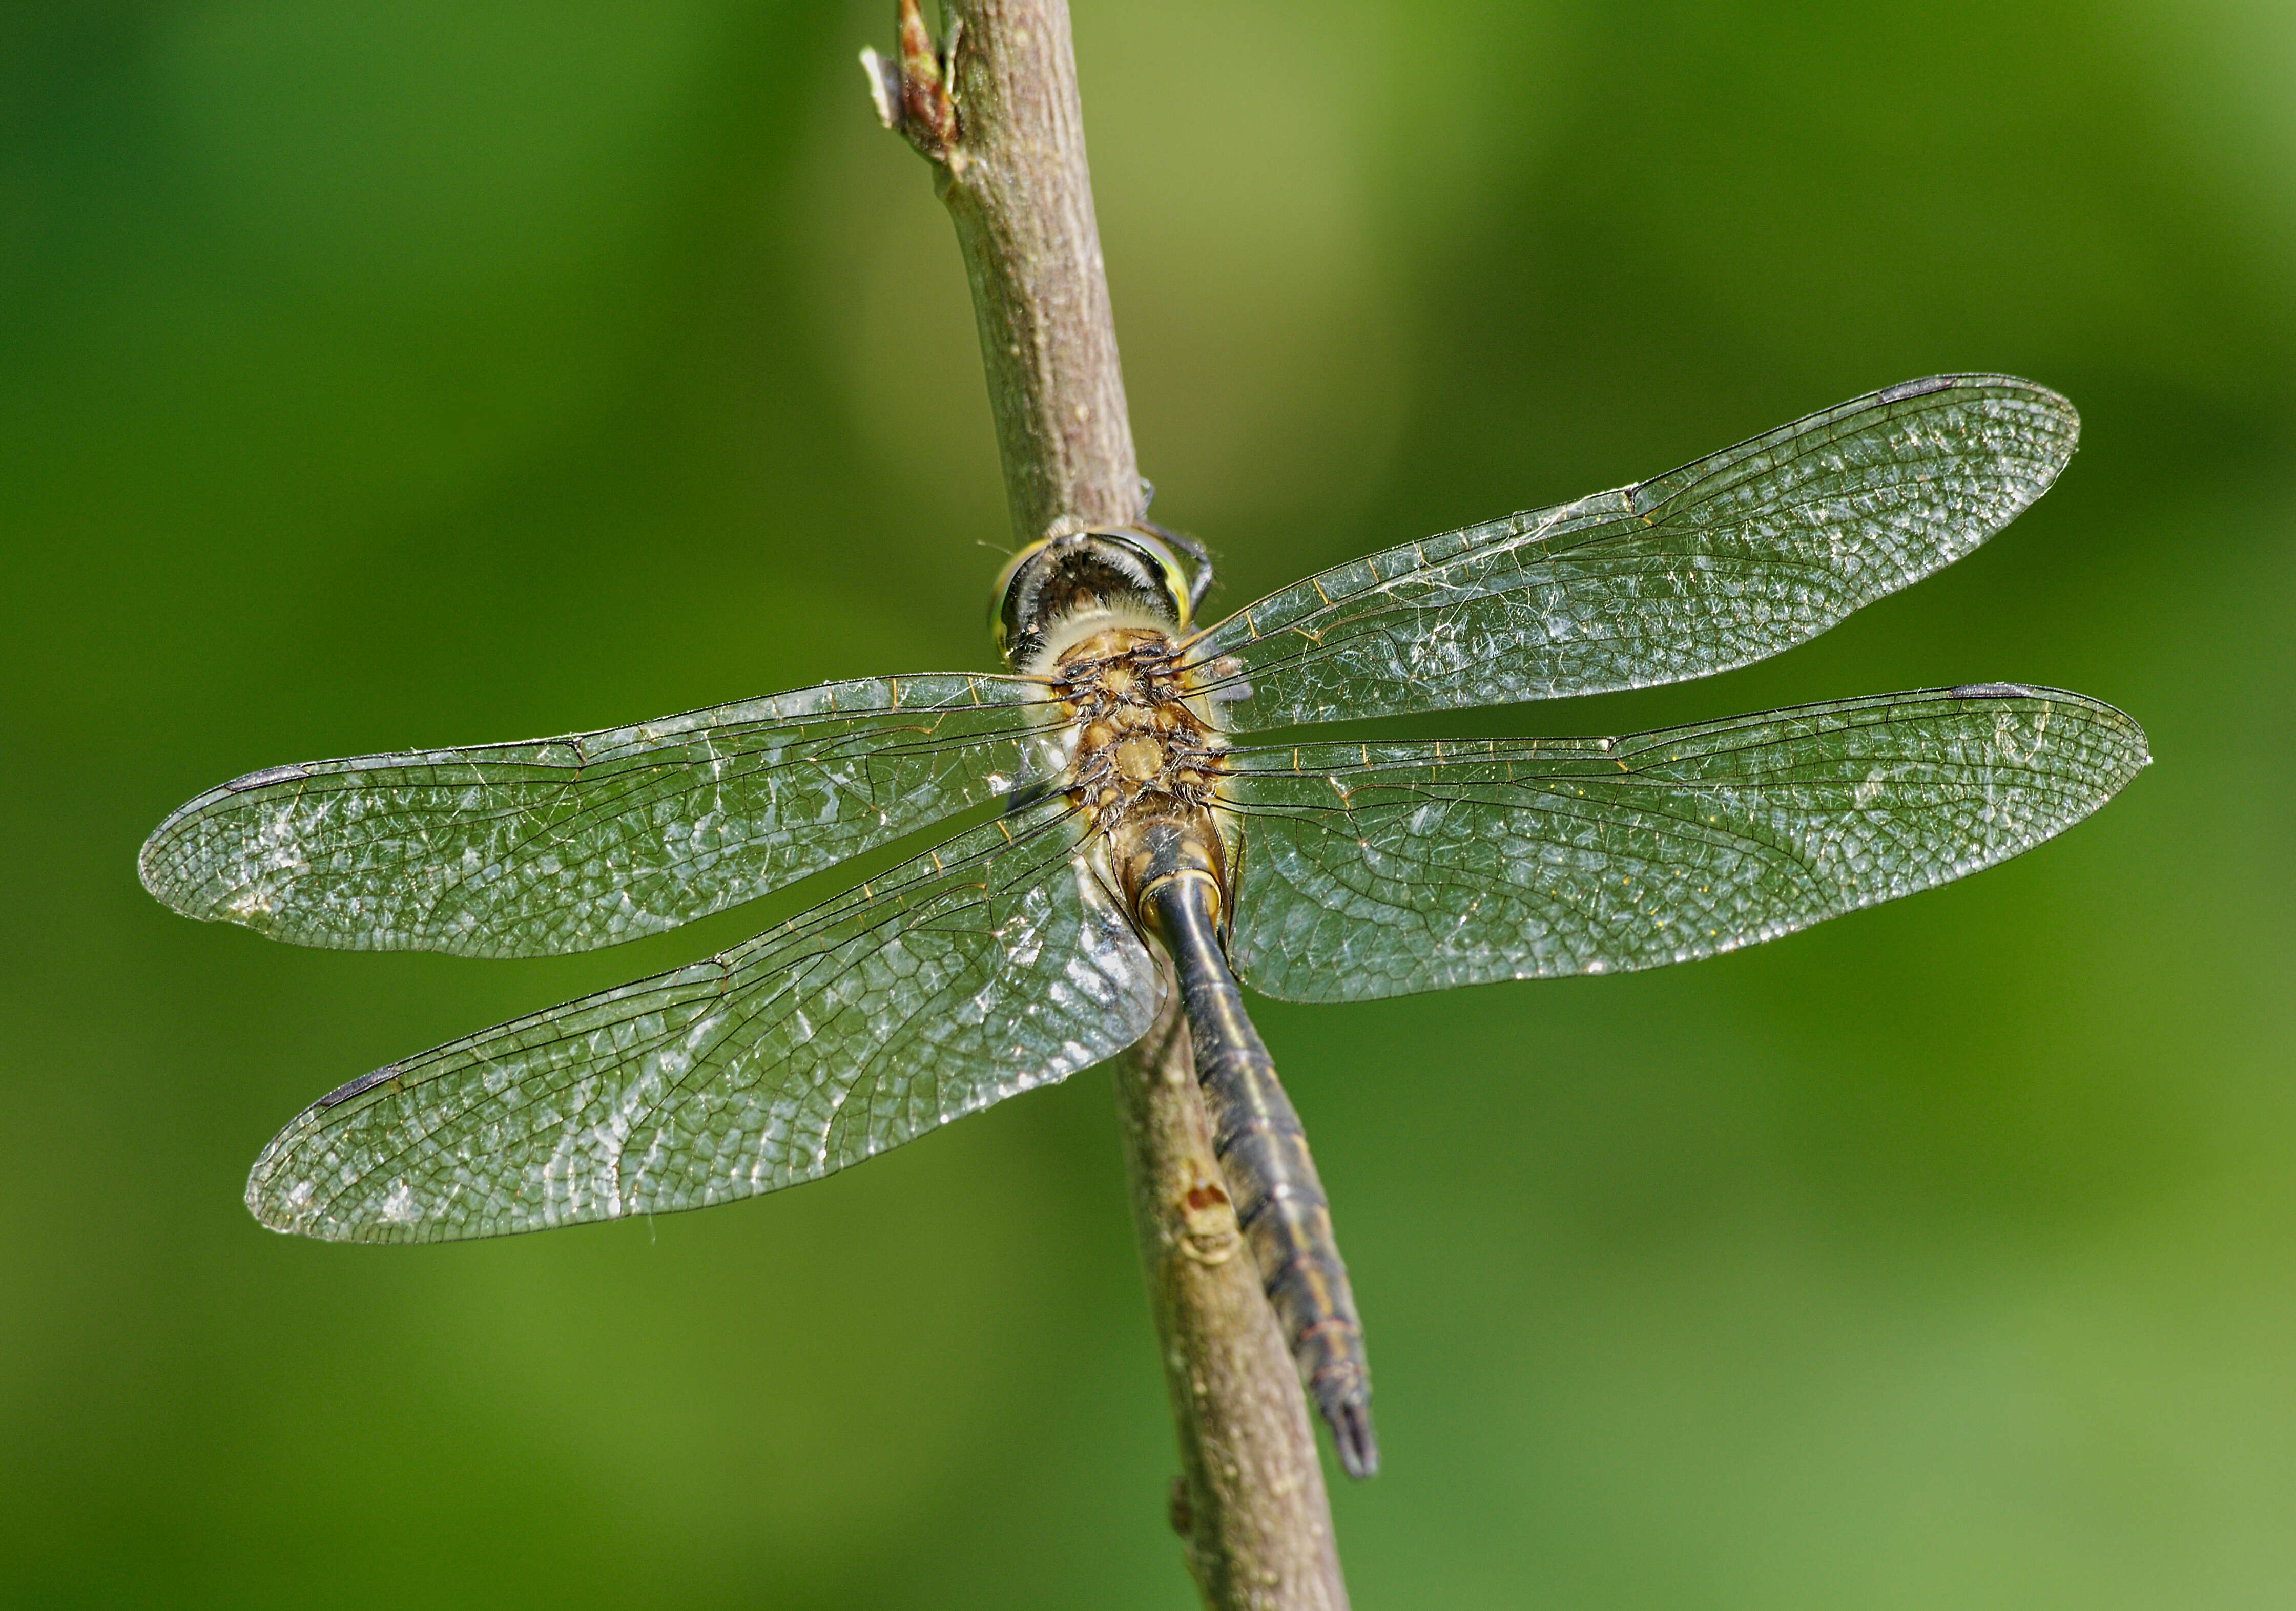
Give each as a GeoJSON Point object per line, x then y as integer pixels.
{"type": "Point", "coordinates": [1051, 579]}
{"type": "Point", "coordinates": [1163, 564]}
{"type": "Point", "coordinates": [1000, 597]}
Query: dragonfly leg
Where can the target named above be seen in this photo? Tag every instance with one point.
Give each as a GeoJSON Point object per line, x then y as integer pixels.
{"type": "Point", "coordinates": [1201, 581]}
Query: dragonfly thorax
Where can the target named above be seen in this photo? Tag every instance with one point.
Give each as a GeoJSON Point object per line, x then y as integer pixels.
{"type": "Point", "coordinates": [1146, 763]}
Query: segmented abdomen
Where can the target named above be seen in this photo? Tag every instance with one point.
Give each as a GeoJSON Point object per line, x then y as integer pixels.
{"type": "Point", "coordinates": [1263, 1153]}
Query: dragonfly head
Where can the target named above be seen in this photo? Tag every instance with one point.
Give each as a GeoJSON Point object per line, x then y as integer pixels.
{"type": "Point", "coordinates": [1058, 591]}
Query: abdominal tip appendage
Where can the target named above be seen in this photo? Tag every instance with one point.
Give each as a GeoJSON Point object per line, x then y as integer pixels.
{"type": "Point", "coordinates": [1352, 1439]}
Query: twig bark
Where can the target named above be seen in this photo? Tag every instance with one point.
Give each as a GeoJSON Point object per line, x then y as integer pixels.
{"type": "Point", "coordinates": [997, 112]}
{"type": "Point", "coordinates": [1249, 1503]}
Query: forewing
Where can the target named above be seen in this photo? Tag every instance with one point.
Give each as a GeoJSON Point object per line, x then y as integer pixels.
{"type": "Point", "coordinates": [1378, 870]}
{"type": "Point", "coordinates": [996, 963]}
{"type": "Point", "coordinates": [569, 844]}
{"type": "Point", "coordinates": [1725, 561]}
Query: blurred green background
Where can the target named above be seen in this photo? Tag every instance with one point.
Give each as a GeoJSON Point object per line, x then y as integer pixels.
{"type": "Point", "coordinates": [375, 377]}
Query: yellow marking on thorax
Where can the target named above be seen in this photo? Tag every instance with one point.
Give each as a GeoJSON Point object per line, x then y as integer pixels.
{"type": "Point", "coordinates": [1140, 749]}
{"type": "Point", "coordinates": [1139, 758]}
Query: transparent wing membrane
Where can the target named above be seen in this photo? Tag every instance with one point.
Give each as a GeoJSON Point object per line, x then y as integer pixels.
{"type": "Point", "coordinates": [992, 965]}
{"type": "Point", "coordinates": [1002, 960]}
{"type": "Point", "coordinates": [1378, 870]}
{"type": "Point", "coordinates": [569, 843]}
{"type": "Point", "coordinates": [1724, 561]}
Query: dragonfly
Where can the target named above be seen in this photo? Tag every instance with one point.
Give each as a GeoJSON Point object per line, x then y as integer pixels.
{"type": "Point", "coordinates": [1114, 843]}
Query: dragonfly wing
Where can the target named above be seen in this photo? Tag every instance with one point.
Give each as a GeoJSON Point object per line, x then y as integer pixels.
{"type": "Point", "coordinates": [1724, 561]}
{"type": "Point", "coordinates": [1378, 870]}
{"type": "Point", "coordinates": [992, 965]}
{"type": "Point", "coordinates": [569, 843]}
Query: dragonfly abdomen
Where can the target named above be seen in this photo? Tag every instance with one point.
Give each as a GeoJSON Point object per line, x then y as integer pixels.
{"type": "Point", "coordinates": [1263, 1153]}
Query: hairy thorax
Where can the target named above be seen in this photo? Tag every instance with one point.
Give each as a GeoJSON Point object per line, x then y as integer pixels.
{"type": "Point", "coordinates": [1147, 763]}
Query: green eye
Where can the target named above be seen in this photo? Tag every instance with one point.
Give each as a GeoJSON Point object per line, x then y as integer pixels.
{"type": "Point", "coordinates": [1168, 567]}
